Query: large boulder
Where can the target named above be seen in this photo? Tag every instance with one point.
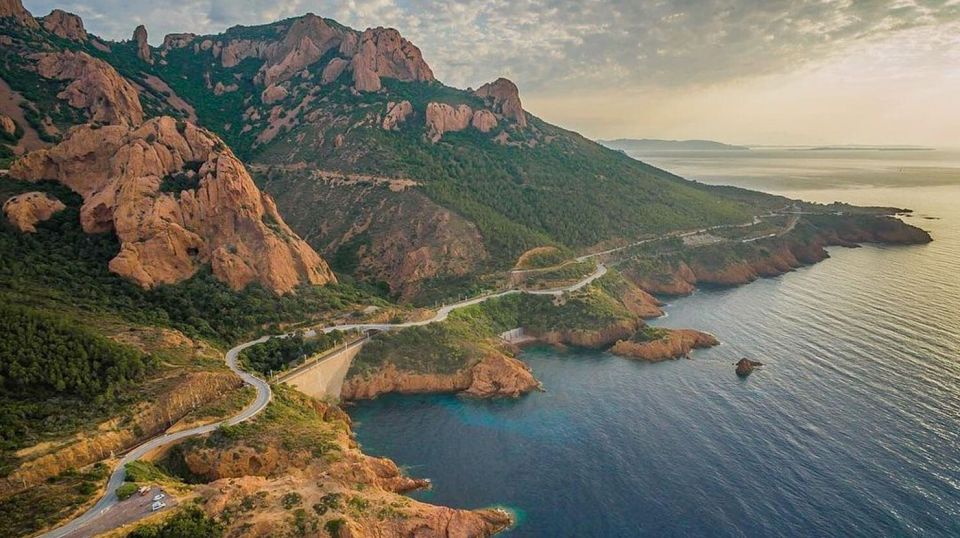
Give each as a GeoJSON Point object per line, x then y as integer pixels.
{"type": "Point", "coordinates": [397, 113]}
{"type": "Point", "coordinates": [94, 86]}
{"type": "Point", "coordinates": [7, 125]}
{"type": "Point", "coordinates": [443, 118]}
{"type": "Point", "coordinates": [25, 210]}
{"type": "Point", "coordinates": [484, 121]}
{"type": "Point", "coordinates": [65, 25]}
{"type": "Point", "coordinates": [215, 216]}
{"type": "Point", "coordinates": [333, 70]}
{"type": "Point", "coordinates": [504, 97]}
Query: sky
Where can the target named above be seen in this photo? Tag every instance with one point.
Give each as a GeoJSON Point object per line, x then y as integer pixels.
{"type": "Point", "coordinates": [738, 71]}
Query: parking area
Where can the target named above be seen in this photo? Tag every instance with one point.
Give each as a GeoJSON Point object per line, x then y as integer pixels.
{"type": "Point", "coordinates": [137, 507]}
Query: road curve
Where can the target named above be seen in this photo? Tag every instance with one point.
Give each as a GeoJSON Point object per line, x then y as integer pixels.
{"type": "Point", "coordinates": [119, 473]}
{"type": "Point", "coordinates": [263, 387]}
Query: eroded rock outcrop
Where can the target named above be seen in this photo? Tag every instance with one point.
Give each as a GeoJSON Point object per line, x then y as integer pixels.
{"type": "Point", "coordinates": [143, 48]}
{"type": "Point", "coordinates": [95, 86]}
{"type": "Point", "coordinates": [397, 113]}
{"type": "Point", "coordinates": [333, 70]}
{"type": "Point", "coordinates": [382, 52]}
{"type": "Point", "coordinates": [65, 25]}
{"type": "Point", "coordinates": [178, 41]}
{"type": "Point", "coordinates": [443, 118]}
{"type": "Point", "coordinates": [484, 121]}
{"type": "Point", "coordinates": [216, 215]}
{"type": "Point", "coordinates": [671, 344]}
{"type": "Point", "coordinates": [496, 375]}
{"type": "Point", "coordinates": [504, 97]}
{"type": "Point", "coordinates": [15, 9]}
{"type": "Point", "coordinates": [7, 125]}
{"type": "Point", "coordinates": [25, 210]}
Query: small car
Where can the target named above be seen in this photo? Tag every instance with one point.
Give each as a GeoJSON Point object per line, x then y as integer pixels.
{"type": "Point", "coordinates": [159, 496]}
{"type": "Point", "coordinates": [157, 506]}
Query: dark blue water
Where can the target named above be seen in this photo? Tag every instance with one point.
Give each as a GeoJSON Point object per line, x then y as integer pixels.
{"type": "Point", "coordinates": [851, 429]}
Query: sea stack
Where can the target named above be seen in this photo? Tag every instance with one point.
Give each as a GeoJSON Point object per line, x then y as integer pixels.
{"type": "Point", "coordinates": [745, 367]}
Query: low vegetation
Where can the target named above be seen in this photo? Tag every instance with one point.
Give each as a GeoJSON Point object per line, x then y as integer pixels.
{"type": "Point", "coordinates": [36, 508]}
{"type": "Point", "coordinates": [277, 354]}
{"type": "Point", "coordinates": [190, 521]}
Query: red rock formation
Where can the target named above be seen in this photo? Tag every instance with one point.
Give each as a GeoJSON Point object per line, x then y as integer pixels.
{"type": "Point", "coordinates": [333, 70]}
{"type": "Point", "coordinates": [7, 125]}
{"type": "Point", "coordinates": [25, 210]}
{"type": "Point", "coordinates": [397, 113]}
{"type": "Point", "coordinates": [496, 375]}
{"type": "Point", "coordinates": [305, 42]}
{"type": "Point", "coordinates": [178, 41]}
{"type": "Point", "coordinates": [383, 52]}
{"type": "Point", "coordinates": [272, 94]}
{"type": "Point", "coordinates": [95, 86]}
{"type": "Point", "coordinates": [143, 48]}
{"type": "Point", "coordinates": [65, 25]}
{"type": "Point", "coordinates": [165, 237]}
{"type": "Point", "coordinates": [484, 121]}
{"type": "Point", "coordinates": [674, 344]}
{"type": "Point", "coordinates": [505, 99]}
{"type": "Point", "coordinates": [444, 118]}
{"type": "Point", "coordinates": [15, 9]}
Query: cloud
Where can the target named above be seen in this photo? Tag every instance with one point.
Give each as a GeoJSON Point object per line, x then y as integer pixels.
{"type": "Point", "coordinates": [561, 49]}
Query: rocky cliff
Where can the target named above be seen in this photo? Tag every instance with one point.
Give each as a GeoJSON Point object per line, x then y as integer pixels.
{"type": "Point", "coordinates": [177, 199]}
{"type": "Point", "coordinates": [496, 375]}
{"type": "Point", "coordinates": [303, 455]}
{"type": "Point", "coordinates": [669, 344]}
{"type": "Point", "coordinates": [504, 97]}
{"type": "Point", "coordinates": [65, 25]}
{"type": "Point", "coordinates": [94, 86]}
{"type": "Point", "coordinates": [14, 9]}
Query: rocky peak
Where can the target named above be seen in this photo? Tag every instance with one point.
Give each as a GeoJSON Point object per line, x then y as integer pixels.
{"type": "Point", "coordinates": [177, 199]}
{"type": "Point", "coordinates": [305, 41]}
{"type": "Point", "coordinates": [65, 25]}
{"type": "Point", "coordinates": [177, 41]}
{"type": "Point", "coordinates": [143, 48]}
{"type": "Point", "coordinates": [15, 9]}
{"type": "Point", "coordinates": [95, 86]}
{"type": "Point", "coordinates": [504, 97]}
{"type": "Point", "coordinates": [382, 52]}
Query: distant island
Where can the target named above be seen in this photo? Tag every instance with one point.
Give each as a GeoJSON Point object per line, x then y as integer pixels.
{"type": "Point", "coordinates": [652, 144]}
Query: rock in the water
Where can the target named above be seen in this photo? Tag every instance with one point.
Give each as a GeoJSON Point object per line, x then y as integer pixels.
{"type": "Point", "coordinates": [745, 367]}
{"type": "Point", "coordinates": [25, 210]}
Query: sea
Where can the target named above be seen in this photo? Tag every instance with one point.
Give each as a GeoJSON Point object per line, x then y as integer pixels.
{"type": "Point", "coordinates": [851, 427]}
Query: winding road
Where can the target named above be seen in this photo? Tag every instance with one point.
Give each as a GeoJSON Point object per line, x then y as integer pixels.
{"type": "Point", "coordinates": [264, 394]}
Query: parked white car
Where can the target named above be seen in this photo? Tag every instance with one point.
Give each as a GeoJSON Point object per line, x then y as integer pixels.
{"type": "Point", "coordinates": [157, 505]}
{"type": "Point", "coordinates": [159, 496]}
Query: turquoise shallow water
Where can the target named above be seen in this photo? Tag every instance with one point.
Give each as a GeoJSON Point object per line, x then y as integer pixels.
{"type": "Point", "coordinates": [851, 429]}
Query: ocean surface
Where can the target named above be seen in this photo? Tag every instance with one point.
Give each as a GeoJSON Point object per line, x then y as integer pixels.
{"type": "Point", "coordinates": [852, 427]}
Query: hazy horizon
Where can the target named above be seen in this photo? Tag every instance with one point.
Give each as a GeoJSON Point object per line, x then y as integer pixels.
{"type": "Point", "coordinates": [741, 72]}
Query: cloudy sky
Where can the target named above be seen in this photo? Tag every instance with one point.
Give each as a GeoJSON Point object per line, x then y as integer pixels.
{"type": "Point", "coordinates": [741, 71]}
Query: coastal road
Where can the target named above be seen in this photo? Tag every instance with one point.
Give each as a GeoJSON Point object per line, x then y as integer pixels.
{"type": "Point", "coordinates": [109, 501]}
{"type": "Point", "coordinates": [264, 394]}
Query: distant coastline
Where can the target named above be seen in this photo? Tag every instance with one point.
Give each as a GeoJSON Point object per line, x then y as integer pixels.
{"type": "Point", "coordinates": [652, 144]}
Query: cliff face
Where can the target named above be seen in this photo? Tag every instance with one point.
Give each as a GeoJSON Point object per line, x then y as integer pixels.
{"type": "Point", "coordinates": [679, 274]}
{"type": "Point", "coordinates": [94, 86]}
{"type": "Point", "coordinates": [675, 343]}
{"type": "Point", "coordinates": [65, 25]}
{"type": "Point", "coordinates": [184, 394]}
{"type": "Point", "coordinates": [263, 473]}
{"type": "Point", "coordinates": [15, 10]}
{"type": "Point", "coordinates": [504, 97]}
{"type": "Point", "coordinates": [177, 199]}
{"type": "Point", "coordinates": [496, 375]}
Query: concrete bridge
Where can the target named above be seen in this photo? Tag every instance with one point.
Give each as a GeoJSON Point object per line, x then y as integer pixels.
{"type": "Point", "coordinates": [322, 376]}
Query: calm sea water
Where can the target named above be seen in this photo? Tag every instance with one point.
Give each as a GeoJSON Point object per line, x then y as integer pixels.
{"type": "Point", "coordinates": [851, 429]}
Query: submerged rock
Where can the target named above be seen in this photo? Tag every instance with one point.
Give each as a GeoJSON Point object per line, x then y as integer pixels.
{"type": "Point", "coordinates": [745, 367]}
